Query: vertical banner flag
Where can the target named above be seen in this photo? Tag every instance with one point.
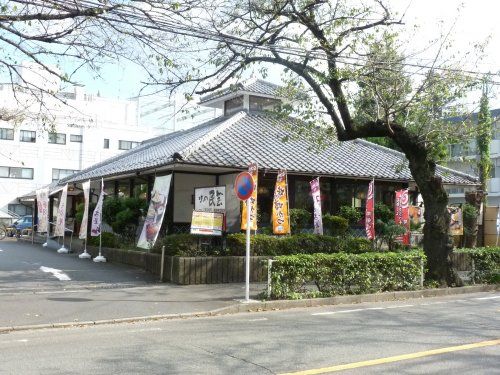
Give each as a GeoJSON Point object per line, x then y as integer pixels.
{"type": "Point", "coordinates": [95, 229]}
{"type": "Point", "coordinates": [61, 213]}
{"type": "Point", "coordinates": [316, 196]}
{"type": "Point", "coordinates": [402, 214]}
{"type": "Point", "coordinates": [370, 212]}
{"type": "Point", "coordinates": [86, 195]}
{"type": "Point", "coordinates": [498, 220]}
{"type": "Point", "coordinates": [280, 218]}
{"type": "Point", "coordinates": [254, 171]}
{"type": "Point", "coordinates": [42, 200]}
{"type": "Point", "coordinates": [156, 212]}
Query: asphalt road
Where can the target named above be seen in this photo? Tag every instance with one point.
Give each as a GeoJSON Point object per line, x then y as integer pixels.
{"type": "Point", "coordinates": [26, 267]}
{"type": "Point", "coordinates": [278, 342]}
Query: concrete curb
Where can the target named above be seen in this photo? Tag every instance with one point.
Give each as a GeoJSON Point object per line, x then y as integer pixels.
{"type": "Point", "coordinates": [257, 306]}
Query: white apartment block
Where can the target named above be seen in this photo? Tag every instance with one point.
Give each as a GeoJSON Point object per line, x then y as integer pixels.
{"type": "Point", "coordinates": [463, 157]}
{"type": "Point", "coordinates": [82, 130]}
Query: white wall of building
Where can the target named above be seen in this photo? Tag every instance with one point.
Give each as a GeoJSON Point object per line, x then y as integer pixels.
{"type": "Point", "coordinates": [91, 117]}
{"type": "Point", "coordinates": [184, 185]}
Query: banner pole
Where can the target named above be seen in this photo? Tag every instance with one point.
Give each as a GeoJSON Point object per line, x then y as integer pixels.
{"type": "Point", "coordinates": [247, 257]}
{"type": "Point", "coordinates": [498, 212]}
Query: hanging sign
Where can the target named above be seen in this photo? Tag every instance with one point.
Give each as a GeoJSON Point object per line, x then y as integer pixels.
{"type": "Point", "coordinates": [370, 212]}
{"type": "Point", "coordinates": [210, 199]}
{"type": "Point", "coordinates": [42, 201]}
{"type": "Point", "coordinates": [280, 217]}
{"type": "Point", "coordinates": [95, 229]}
{"type": "Point", "coordinates": [156, 212]}
{"type": "Point", "coordinates": [253, 170]}
{"type": "Point", "coordinates": [456, 221]}
{"type": "Point", "coordinates": [402, 215]}
{"type": "Point", "coordinates": [61, 213]}
{"type": "Point", "coordinates": [316, 196]}
{"type": "Point", "coordinates": [86, 197]}
{"type": "Point", "coordinates": [207, 223]}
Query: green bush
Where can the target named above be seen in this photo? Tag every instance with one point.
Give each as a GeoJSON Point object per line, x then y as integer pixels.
{"type": "Point", "coordinates": [108, 240]}
{"type": "Point", "coordinates": [183, 245]}
{"type": "Point", "coordinates": [323, 275]}
{"type": "Point", "coordinates": [122, 214]}
{"type": "Point", "coordinates": [295, 244]}
{"type": "Point", "coordinates": [351, 214]}
{"type": "Point", "coordinates": [335, 225]}
{"type": "Point", "coordinates": [486, 263]}
{"type": "Point", "coordinates": [299, 219]}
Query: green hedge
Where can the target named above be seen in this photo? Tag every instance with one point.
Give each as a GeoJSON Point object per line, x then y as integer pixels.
{"type": "Point", "coordinates": [108, 240]}
{"type": "Point", "coordinates": [261, 244]}
{"type": "Point", "coordinates": [323, 275]}
{"type": "Point", "coordinates": [486, 263]}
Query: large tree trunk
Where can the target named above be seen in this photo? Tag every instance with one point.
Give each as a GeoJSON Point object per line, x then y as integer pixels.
{"type": "Point", "coordinates": [437, 241]}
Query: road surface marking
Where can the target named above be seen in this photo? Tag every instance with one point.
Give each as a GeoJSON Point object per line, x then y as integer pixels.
{"type": "Point", "coordinates": [365, 309]}
{"type": "Point", "coordinates": [257, 320]}
{"type": "Point", "coordinates": [56, 273]}
{"type": "Point", "coordinates": [494, 297]}
{"type": "Point", "coordinates": [397, 358]}
{"type": "Point", "coordinates": [398, 306]}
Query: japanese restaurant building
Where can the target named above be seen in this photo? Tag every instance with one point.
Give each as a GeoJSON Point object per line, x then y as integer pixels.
{"type": "Point", "coordinates": [213, 153]}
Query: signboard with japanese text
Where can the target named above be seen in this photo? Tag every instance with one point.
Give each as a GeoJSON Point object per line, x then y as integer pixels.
{"type": "Point", "coordinates": [42, 201]}
{"type": "Point", "coordinates": [316, 196]}
{"type": "Point", "coordinates": [280, 218]}
{"type": "Point", "coordinates": [254, 171]}
{"type": "Point", "coordinates": [86, 196]}
{"type": "Point", "coordinates": [156, 212]}
{"type": "Point", "coordinates": [370, 212]}
{"type": "Point", "coordinates": [456, 221]}
{"type": "Point", "coordinates": [207, 223]}
{"type": "Point", "coordinates": [402, 215]}
{"type": "Point", "coordinates": [210, 199]}
{"type": "Point", "coordinates": [61, 213]}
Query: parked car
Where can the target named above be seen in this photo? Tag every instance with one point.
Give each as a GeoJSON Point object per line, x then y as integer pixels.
{"type": "Point", "coordinates": [25, 222]}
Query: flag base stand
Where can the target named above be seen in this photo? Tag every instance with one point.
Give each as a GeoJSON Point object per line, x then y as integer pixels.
{"type": "Point", "coordinates": [44, 244]}
{"type": "Point", "coordinates": [85, 255]}
{"type": "Point", "coordinates": [99, 258]}
{"type": "Point", "coordinates": [63, 250]}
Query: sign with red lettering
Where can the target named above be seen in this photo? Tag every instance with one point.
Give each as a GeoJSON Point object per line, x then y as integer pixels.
{"type": "Point", "coordinates": [402, 214]}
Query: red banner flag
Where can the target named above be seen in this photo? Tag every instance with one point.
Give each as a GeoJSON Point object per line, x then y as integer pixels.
{"type": "Point", "coordinates": [370, 212]}
{"type": "Point", "coordinates": [402, 214]}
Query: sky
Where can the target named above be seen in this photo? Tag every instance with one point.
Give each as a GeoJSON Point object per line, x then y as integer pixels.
{"type": "Point", "coordinates": [467, 21]}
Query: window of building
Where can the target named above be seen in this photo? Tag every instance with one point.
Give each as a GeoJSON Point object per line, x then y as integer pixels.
{"type": "Point", "coordinates": [126, 145]}
{"type": "Point", "coordinates": [106, 143]}
{"type": "Point", "coordinates": [259, 103]}
{"type": "Point", "coordinates": [20, 209]}
{"type": "Point", "coordinates": [15, 172]}
{"type": "Point", "coordinates": [57, 138]}
{"type": "Point", "coordinates": [58, 174]}
{"type": "Point", "coordinates": [27, 136]}
{"type": "Point", "coordinates": [233, 105]}
{"type": "Point", "coordinates": [7, 134]}
{"type": "Point", "coordinates": [76, 138]}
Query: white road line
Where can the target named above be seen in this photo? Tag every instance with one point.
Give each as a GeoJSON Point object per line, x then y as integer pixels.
{"type": "Point", "coordinates": [257, 320]}
{"type": "Point", "coordinates": [56, 273]}
{"type": "Point", "coordinates": [398, 306]}
{"type": "Point", "coordinates": [493, 297]}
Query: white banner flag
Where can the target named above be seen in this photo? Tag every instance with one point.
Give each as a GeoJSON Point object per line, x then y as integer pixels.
{"type": "Point", "coordinates": [86, 195]}
{"type": "Point", "coordinates": [156, 211]}
{"type": "Point", "coordinates": [95, 229]}
{"type": "Point", "coordinates": [316, 196]}
{"type": "Point", "coordinates": [61, 213]}
{"type": "Point", "coordinates": [42, 202]}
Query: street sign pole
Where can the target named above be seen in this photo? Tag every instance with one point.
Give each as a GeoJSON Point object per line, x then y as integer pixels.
{"type": "Point", "coordinates": [247, 264]}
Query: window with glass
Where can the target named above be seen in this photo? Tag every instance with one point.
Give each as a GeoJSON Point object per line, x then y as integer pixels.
{"type": "Point", "coordinates": [76, 138]}
{"type": "Point", "coordinates": [259, 103]}
{"type": "Point", "coordinates": [7, 134]}
{"type": "Point", "coordinates": [57, 138]}
{"type": "Point", "coordinates": [16, 172]}
{"type": "Point", "coordinates": [106, 143]}
{"type": "Point", "coordinates": [126, 145]}
{"type": "Point", "coordinates": [27, 136]}
{"type": "Point", "coordinates": [233, 105]}
{"type": "Point", "coordinates": [20, 209]}
{"type": "Point", "coordinates": [303, 198]}
{"type": "Point", "coordinates": [58, 174]}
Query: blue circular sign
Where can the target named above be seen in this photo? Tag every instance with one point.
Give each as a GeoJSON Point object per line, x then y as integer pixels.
{"type": "Point", "coordinates": [243, 185]}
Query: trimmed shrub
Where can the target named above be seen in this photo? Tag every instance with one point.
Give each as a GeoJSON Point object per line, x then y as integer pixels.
{"type": "Point", "coordinates": [297, 244]}
{"type": "Point", "coordinates": [108, 240]}
{"type": "Point", "coordinates": [299, 219]}
{"type": "Point", "coordinates": [323, 275]}
{"type": "Point", "coordinates": [335, 225]}
{"type": "Point", "coordinates": [351, 214]}
{"type": "Point", "coordinates": [486, 263]}
{"type": "Point", "coordinates": [184, 245]}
